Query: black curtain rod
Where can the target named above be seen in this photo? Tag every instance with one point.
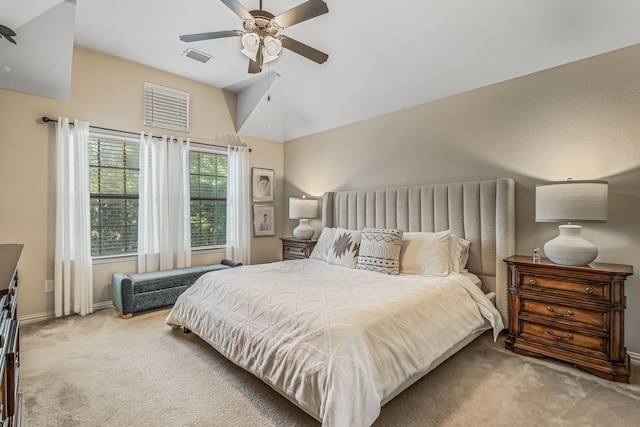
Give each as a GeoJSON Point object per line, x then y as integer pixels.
{"type": "Point", "coordinates": [46, 119]}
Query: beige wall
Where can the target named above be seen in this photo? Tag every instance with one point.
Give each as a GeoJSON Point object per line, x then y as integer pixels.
{"type": "Point", "coordinates": [581, 120]}
{"type": "Point", "coordinates": [107, 92]}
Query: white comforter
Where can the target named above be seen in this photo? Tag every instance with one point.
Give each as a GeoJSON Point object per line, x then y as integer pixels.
{"type": "Point", "coordinates": [334, 340]}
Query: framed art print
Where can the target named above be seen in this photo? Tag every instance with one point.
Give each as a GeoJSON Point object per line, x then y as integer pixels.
{"type": "Point", "coordinates": [263, 221]}
{"type": "Point", "coordinates": [262, 184]}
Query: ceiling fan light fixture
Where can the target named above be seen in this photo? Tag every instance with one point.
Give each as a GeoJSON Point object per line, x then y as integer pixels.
{"type": "Point", "coordinates": [251, 42]}
{"type": "Point", "coordinates": [272, 46]}
{"type": "Point", "coordinates": [266, 57]}
{"type": "Point", "coordinates": [251, 55]}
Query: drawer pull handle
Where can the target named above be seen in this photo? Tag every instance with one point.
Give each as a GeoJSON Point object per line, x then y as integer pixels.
{"type": "Point", "coordinates": [589, 289]}
{"type": "Point", "coordinates": [566, 338]}
{"type": "Point", "coordinates": [569, 313]}
{"type": "Point", "coordinates": [533, 282]}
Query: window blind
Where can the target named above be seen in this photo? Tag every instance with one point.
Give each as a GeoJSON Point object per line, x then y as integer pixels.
{"type": "Point", "coordinates": [166, 108]}
{"type": "Point", "coordinates": [208, 174]}
{"type": "Point", "coordinates": [114, 187]}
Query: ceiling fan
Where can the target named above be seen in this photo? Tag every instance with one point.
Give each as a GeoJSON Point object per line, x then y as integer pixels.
{"type": "Point", "coordinates": [260, 41]}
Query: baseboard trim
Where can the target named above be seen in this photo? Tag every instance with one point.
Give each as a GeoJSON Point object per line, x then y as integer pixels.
{"type": "Point", "coordinates": [41, 317]}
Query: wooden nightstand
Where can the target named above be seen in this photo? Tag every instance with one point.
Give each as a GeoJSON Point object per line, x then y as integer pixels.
{"type": "Point", "coordinates": [574, 314]}
{"type": "Point", "coordinates": [293, 248]}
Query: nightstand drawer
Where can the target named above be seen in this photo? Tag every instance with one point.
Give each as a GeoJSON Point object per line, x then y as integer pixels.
{"type": "Point", "coordinates": [561, 337]}
{"type": "Point", "coordinates": [294, 250]}
{"type": "Point", "coordinates": [565, 313]}
{"type": "Point", "coordinates": [592, 289]}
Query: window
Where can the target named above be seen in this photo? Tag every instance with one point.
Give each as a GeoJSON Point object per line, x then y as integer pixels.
{"type": "Point", "coordinates": [114, 173]}
{"type": "Point", "coordinates": [208, 182]}
{"type": "Point", "coordinates": [114, 179]}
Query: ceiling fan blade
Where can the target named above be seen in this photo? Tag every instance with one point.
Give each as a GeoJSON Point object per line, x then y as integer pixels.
{"type": "Point", "coordinates": [256, 66]}
{"type": "Point", "coordinates": [209, 36]}
{"type": "Point", "coordinates": [7, 33]}
{"type": "Point", "coordinates": [300, 13]}
{"type": "Point", "coordinates": [304, 50]}
{"type": "Point", "coordinates": [238, 9]}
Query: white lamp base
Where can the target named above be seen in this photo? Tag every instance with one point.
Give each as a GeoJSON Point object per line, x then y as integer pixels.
{"type": "Point", "coordinates": [570, 248]}
{"type": "Point", "coordinates": [304, 230]}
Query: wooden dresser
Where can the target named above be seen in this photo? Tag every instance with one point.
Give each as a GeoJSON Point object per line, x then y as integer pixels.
{"type": "Point", "coordinates": [574, 314]}
{"type": "Point", "coordinates": [10, 399]}
{"type": "Point", "coordinates": [293, 248]}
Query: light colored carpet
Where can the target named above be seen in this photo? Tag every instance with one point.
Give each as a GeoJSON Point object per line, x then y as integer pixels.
{"type": "Point", "coordinates": [100, 370]}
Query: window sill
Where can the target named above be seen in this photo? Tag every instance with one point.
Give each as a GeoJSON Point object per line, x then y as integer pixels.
{"type": "Point", "coordinates": [110, 259]}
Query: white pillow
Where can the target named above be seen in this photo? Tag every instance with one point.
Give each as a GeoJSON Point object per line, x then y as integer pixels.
{"type": "Point", "coordinates": [425, 253]}
{"type": "Point", "coordinates": [323, 245]}
{"type": "Point", "coordinates": [380, 250]}
{"type": "Point", "coordinates": [459, 253]}
{"type": "Point", "coordinates": [344, 248]}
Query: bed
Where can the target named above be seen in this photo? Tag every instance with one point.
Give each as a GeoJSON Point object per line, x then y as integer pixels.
{"type": "Point", "coordinates": [340, 340]}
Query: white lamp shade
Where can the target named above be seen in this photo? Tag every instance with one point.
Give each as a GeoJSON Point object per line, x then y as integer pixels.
{"type": "Point", "coordinates": [302, 208]}
{"type": "Point", "coordinates": [581, 201]}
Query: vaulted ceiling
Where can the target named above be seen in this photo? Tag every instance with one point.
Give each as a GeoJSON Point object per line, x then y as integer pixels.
{"type": "Point", "coordinates": [384, 55]}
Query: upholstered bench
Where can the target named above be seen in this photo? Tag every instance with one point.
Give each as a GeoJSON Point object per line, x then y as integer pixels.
{"type": "Point", "coordinates": [132, 293]}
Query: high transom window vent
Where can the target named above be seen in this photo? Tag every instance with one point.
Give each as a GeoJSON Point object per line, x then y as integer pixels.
{"type": "Point", "coordinates": [198, 56]}
{"type": "Point", "coordinates": [166, 108]}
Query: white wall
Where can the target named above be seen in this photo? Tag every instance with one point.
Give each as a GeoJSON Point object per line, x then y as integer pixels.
{"type": "Point", "coordinates": [581, 120]}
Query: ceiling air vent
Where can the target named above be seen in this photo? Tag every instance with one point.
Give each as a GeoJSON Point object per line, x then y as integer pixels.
{"type": "Point", "coordinates": [198, 56]}
{"type": "Point", "coordinates": [166, 108]}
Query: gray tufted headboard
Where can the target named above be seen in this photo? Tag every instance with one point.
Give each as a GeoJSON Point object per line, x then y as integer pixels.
{"type": "Point", "coordinates": [482, 212]}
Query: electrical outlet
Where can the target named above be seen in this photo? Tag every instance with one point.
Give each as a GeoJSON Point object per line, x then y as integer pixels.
{"type": "Point", "coordinates": [48, 285]}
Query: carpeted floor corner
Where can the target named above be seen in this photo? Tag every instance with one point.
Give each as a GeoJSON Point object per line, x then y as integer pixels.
{"type": "Point", "coordinates": [101, 370]}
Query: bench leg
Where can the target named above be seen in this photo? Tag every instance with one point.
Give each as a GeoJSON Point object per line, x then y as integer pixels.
{"type": "Point", "coordinates": [127, 316]}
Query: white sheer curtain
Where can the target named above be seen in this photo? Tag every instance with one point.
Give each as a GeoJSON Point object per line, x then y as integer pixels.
{"type": "Point", "coordinates": [238, 205]}
{"type": "Point", "coordinates": [153, 206]}
{"type": "Point", "coordinates": [179, 203]}
{"type": "Point", "coordinates": [73, 270]}
{"type": "Point", "coordinates": [163, 211]}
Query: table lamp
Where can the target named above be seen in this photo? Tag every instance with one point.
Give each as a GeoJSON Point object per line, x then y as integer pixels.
{"type": "Point", "coordinates": [571, 201]}
{"type": "Point", "coordinates": [303, 209]}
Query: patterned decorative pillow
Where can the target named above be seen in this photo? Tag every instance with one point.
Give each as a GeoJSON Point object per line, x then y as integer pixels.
{"type": "Point", "coordinates": [321, 249]}
{"type": "Point", "coordinates": [344, 248]}
{"type": "Point", "coordinates": [380, 250]}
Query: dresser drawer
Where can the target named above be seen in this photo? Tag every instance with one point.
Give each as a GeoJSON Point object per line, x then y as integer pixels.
{"type": "Point", "coordinates": [566, 313]}
{"type": "Point", "coordinates": [559, 337]}
{"type": "Point", "coordinates": [595, 290]}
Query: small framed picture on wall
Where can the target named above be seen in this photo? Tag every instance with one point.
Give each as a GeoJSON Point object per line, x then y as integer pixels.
{"type": "Point", "coordinates": [262, 184]}
{"type": "Point", "coordinates": [263, 221]}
